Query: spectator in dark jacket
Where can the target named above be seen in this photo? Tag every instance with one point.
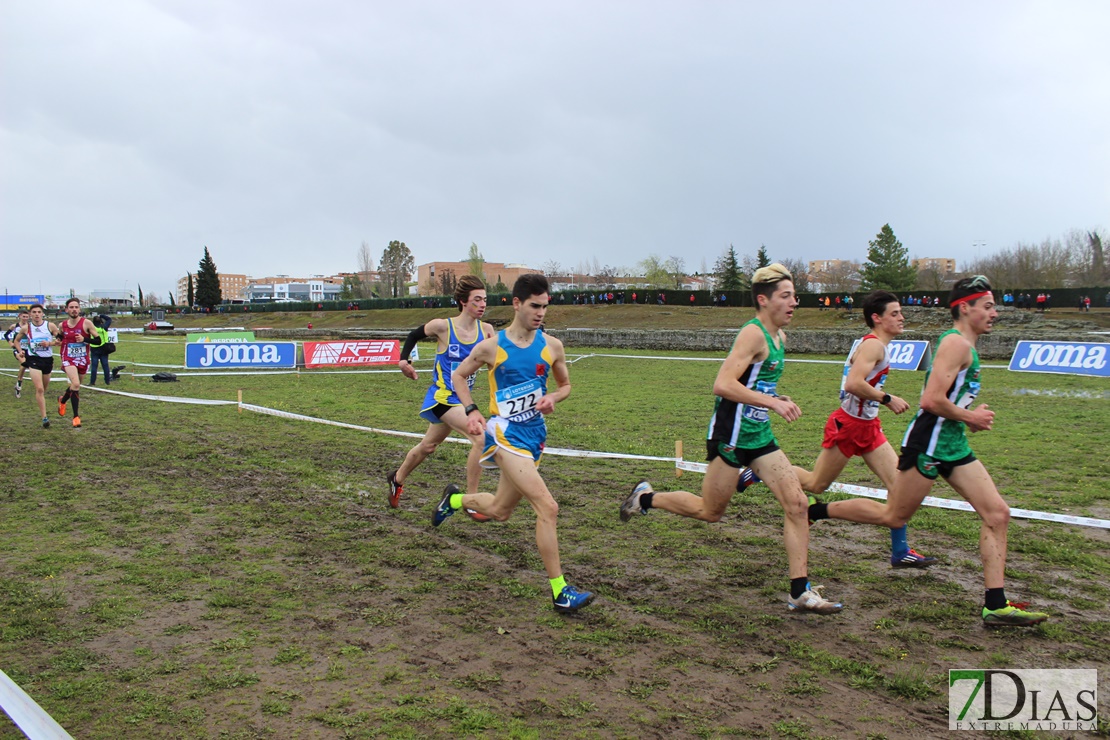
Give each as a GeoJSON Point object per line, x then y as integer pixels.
{"type": "Point", "coordinates": [98, 348]}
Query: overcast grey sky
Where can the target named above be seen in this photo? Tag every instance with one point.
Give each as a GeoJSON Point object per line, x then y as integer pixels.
{"type": "Point", "coordinates": [282, 134]}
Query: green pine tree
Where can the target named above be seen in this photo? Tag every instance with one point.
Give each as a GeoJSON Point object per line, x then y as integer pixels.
{"type": "Point", "coordinates": [208, 283]}
{"type": "Point", "coordinates": [140, 296]}
{"type": "Point", "coordinates": [190, 296]}
{"type": "Point", "coordinates": [726, 272]}
{"type": "Point", "coordinates": [761, 258]}
{"type": "Point", "coordinates": [888, 265]}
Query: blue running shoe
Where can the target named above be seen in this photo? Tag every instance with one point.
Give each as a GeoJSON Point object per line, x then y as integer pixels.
{"type": "Point", "coordinates": [571, 600]}
{"type": "Point", "coordinates": [632, 504]}
{"type": "Point", "coordinates": [912, 559]}
{"type": "Point", "coordinates": [747, 478]}
{"type": "Point", "coordinates": [444, 509]}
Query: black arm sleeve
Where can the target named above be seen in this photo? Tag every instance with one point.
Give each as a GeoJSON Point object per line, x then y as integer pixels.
{"type": "Point", "coordinates": [410, 341]}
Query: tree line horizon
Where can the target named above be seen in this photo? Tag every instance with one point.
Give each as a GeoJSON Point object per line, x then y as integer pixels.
{"type": "Point", "coordinates": [1076, 260]}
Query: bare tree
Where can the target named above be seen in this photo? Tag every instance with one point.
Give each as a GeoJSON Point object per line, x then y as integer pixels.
{"type": "Point", "coordinates": [607, 275]}
{"type": "Point", "coordinates": [1054, 263]}
{"type": "Point", "coordinates": [676, 266]}
{"type": "Point", "coordinates": [841, 278]}
{"type": "Point", "coordinates": [552, 268]}
{"type": "Point", "coordinates": [800, 272]}
{"type": "Point", "coordinates": [365, 271]}
{"type": "Point", "coordinates": [930, 278]}
{"type": "Point", "coordinates": [1089, 258]}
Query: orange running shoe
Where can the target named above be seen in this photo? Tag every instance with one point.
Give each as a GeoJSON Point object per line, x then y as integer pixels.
{"type": "Point", "coordinates": [77, 421]}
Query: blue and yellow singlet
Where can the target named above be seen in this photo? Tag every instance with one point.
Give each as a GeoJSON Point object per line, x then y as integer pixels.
{"type": "Point", "coordinates": [447, 361]}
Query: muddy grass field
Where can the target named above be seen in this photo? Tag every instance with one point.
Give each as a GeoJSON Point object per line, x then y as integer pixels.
{"type": "Point", "coordinates": [174, 570]}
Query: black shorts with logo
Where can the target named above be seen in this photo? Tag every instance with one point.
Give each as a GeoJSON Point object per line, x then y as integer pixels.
{"type": "Point", "coordinates": [735, 457]}
{"type": "Point", "coordinates": [43, 364]}
{"type": "Point", "coordinates": [929, 466]}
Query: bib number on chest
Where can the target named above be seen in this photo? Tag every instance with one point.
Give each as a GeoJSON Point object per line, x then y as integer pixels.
{"type": "Point", "coordinates": [518, 402]}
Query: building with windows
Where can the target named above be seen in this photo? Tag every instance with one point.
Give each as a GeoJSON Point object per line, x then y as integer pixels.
{"type": "Point", "coordinates": [115, 299]}
{"type": "Point", "coordinates": [942, 265]}
{"type": "Point", "coordinates": [286, 289]}
{"type": "Point", "coordinates": [433, 277]}
{"type": "Point", "coordinates": [817, 267]}
{"type": "Point", "coordinates": [233, 287]}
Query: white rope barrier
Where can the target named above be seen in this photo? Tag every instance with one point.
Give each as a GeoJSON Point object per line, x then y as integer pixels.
{"type": "Point", "coordinates": [940, 503]}
{"type": "Point", "coordinates": [166, 399]}
{"type": "Point", "coordinates": [680, 463]}
{"type": "Point", "coordinates": [27, 715]}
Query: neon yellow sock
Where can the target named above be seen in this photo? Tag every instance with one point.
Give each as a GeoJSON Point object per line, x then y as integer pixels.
{"type": "Point", "coordinates": [456, 500]}
{"type": "Point", "coordinates": [557, 585]}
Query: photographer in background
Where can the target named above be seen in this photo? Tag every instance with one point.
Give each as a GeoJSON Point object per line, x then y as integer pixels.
{"type": "Point", "coordinates": [100, 347]}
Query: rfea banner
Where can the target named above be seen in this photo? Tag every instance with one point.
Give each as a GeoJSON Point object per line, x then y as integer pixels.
{"type": "Point", "coordinates": [352, 353]}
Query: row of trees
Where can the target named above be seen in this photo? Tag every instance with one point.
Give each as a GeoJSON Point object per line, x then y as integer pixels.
{"type": "Point", "coordinates": [389, 281]}
{"type": "Point", "coordinates": [1076, 260]}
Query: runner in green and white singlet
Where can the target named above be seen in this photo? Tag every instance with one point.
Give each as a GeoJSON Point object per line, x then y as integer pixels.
{"type": "Point", "coordinates": [740, 436]}
{"type": "Point", "coordinates": [748, 426]}
{"type": "Point", "coordinates": [936, 445]}
{"type": "Point", "coordinates": [936, 436]}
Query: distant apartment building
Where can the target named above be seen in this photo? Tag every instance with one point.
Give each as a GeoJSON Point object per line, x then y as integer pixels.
{"type": "Point", "coordinates": [115, 299]}
{"type": "Point", "coordinates": [233, 287]}
{"type": "Point", "coordinates": [819, 267]}
{"type": "Point", "coordinates": [283, 288]}
{"type": "Point", "coordinates": [943, 265]}
{"type": "Point", "coordinates": [430, 276]}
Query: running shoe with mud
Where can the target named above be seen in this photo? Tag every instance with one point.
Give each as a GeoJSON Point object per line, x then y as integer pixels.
{"type": "Point", "coordinates": [811, 600]}
{"type": "Point", "coordinates": [1012, 615]}
{"type": "Point", "coordinates": [395, 490]}
{"type": "Point", "coordinates": [571, 600]}
{"type": "Point", "coordinates": [444, 509]}
{"type": "Point", "coordinates": [632, 505]}
{"type": "Point", "coordinates": [912, 559]}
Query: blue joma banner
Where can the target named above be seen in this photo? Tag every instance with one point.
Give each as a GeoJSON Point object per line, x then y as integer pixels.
{"type": "Point", "coordinates": [908, 355]}
{"type": "Point", "coordinates": [244, 354]}
{"type": "Point", "coordinates": [1075, 358]}
{"type": "Point", "coordinates": [903, 355]}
